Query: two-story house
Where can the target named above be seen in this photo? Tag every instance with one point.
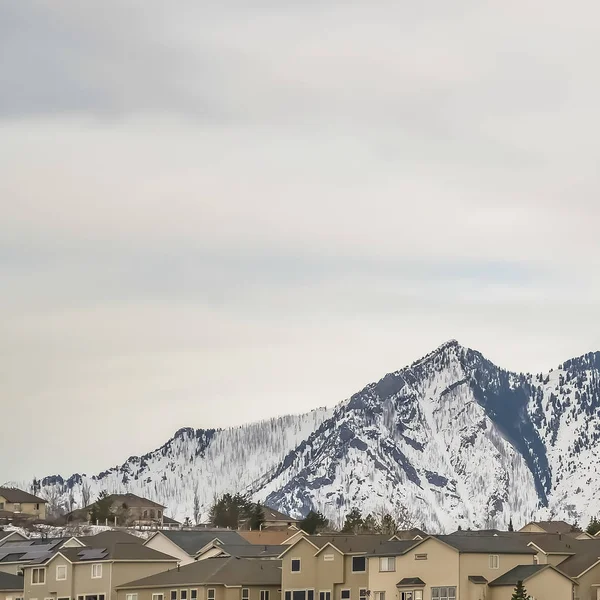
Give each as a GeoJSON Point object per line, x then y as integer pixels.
{"type": "Point", "coordinates": [91, 573]}
{"type": "Point", "coordinates": [454, 567]}
{"type": "Point", "coordinates": [329, 567]}
{"type": "Point", "coordinates": [125, 510]}
{"type": "Point", "coordinates": [212, 579]}
{"type": "Point", "coordinates": [22, 504]}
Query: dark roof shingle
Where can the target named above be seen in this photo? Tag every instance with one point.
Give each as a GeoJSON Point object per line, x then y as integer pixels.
{"type": "Point", "coordinates": [519, 573]}
{"type": "Point", "coordinates": [15, 495]}
{"type": "Point", "coordinates": [408, 581]}
{"type": "Point", "coordinates": [487, 544]}
{"type": "Point", "coordinates": [216, 571]}
{"type": "Point", "coordinates": [192, 541]}
{"type": "Point", "coordinates": [11, 583]}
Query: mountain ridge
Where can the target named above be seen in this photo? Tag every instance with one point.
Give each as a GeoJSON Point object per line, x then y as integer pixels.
{"type": "Point", "coordinates": [452, 438]}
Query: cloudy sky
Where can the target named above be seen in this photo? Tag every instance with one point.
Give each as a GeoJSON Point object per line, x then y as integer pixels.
{"type": "Point", "coordinates": [214, 212]}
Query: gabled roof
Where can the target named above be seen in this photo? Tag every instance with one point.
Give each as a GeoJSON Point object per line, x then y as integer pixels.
{"type": "Point", "coordinates": [576, 565]}
{"type": "Point", "coordinates": [193, 541]}
{"type": "Point", "coordinates": [274, 515]}
{"type": "Point", "coordinates": [395, 548]}
{"type": "Point", "coordinates": [119, 551]}
{"type": "Point", "coordinates": [523, 573]}
{"type": "Point", "coordinates": [13, 495]}
{"type": "Point", "coordinates": [269, 536]}
{"type": "Point", "coordinates": [470, 544]}
{"type": "Point", "coordinates": [554, 526]}
{"type": "Point", "coordinates": [248, 550]}
{"type": "Point", "coordinates": [109, 539]}
{"type": "Point", "coordinates": [6, 535]}
{"type": "Point", "coordinates": [410, 581]}
{"type": "Point", "coordinates": [351, 544]}
{"type": "Point", "coordinates": [216, 571]}
{"type": "Point", "coordinates": [11, 583]}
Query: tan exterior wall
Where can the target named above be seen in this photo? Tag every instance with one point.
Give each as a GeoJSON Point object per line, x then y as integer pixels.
{"type": "Point", "coordinates": [10, 595]}
{"type": "Point", "coordinates": [13, 569]}
{"type": "Point", "coordinates": [479, 564]}
{"type": "Point", "coordinates": [556, 559]}
{"type": "Point", "coordinates": [532, 528]}
{"type": "Point", "coordinates": [83, 584]}
{"type": "Point", "coordinates": [34, 509]}
{"type": "Point", "coordinates": [585, 591]}
{"type": "Point", "coordinates": [327, 571]}
{"type": "Point", "coordinates": [440, 569]}
{"type": "Point", "coordinates": [166, 546]}
{"type": "Point", "coordinates": [547, 585]}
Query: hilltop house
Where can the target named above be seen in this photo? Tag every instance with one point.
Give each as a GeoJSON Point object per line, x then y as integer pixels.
{"type": "Point", "coordinates": [125, 510]}
{"type": "Point", "coordinates": [21, 504]}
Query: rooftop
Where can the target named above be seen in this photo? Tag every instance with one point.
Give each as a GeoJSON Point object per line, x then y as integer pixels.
{"type": "Point", "coordinates": [193, 541]}
{"type": "Point", "coordinates": [13, 495]}
{"type": "Point", "coordinates": [11, 583]}
{"type": "Point", "coordinates": [519, 573]}
{"type": "Point", "coordinates": [511, 544]}
{"type": "Point", "coordinates": [216, 571]}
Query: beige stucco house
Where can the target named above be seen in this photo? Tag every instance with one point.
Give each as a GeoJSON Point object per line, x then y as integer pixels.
{"type": "Point", "coordinates": [91, 573]}
{"type": "Point", "coordinates": [126, 510]}
{"type": "Point", "coordinates": [22, 504]}
{"type": "Point", "coordinates": [212, 579]}
{"type": "Point", "coordinates": [11, 587]}
{"type": "Point", "coordinates": [542, 582]}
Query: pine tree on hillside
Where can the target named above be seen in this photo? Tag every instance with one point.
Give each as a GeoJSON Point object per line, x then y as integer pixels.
{"type": "Point", "coordinates": [314, 522]}
{"type": "Point", "coordinates": [520, 592]}
{"type": "Point", "coordinates": [510, 525]}
{"type": "Point", "coordinates": [594, 527]}
{"type": "Point", "coordinates": [353, 522]}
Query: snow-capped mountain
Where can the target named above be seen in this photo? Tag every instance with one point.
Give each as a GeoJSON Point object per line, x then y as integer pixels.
{"type": "Point", "coordinates": [453, 439]}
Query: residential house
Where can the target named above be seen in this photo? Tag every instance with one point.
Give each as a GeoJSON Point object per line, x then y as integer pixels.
{"type": "Point", "coordinates": [448, 567]}
{"type": "Point", "coordinates": [22, 504]}
{"type": "Point", "coordinates": [185, 545]}
{"type": "Point", "coordinates": [542, 582]}
{"type": "Point", "coordinates": [11, 587]}
{"type": "Point", "coordinates": [126, 510]}
{"type": "Point", "coordinates": [561, 527]}
{"type": "Point", "coordinates": [14, 555]}
{"type": "Point", "coordinates": [577, 558]}
{"type": "Point", "coordinates": [334, 567]}
{"type": "Point", "coordinates": [213, 579]}
{"type": "Point", "coordinates": [274, 520]}
{"type": "Point", "coordinates": [91, 573]}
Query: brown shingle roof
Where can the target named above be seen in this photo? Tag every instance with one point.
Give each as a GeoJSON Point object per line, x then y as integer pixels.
{"type": "Point", "coordinates": [268, 536]}
{"type": "Point", "coordinates": [215, 571]}
{"type": "Point", "coordinates": [554, 526]}
{"type": "Point", "coordinates": [119, 551]}
{"type": "Point", "coordinates": [15, 495]}
{"type": "Point", "coordinates": [352, 544]}
{"type": "Point", "coordinates": [109, 539]}
{"type": "Point", "coordinates": [470, 544]}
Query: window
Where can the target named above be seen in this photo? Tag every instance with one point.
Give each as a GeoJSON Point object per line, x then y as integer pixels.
{"type": "Point", "coordinates": [61, 572]}
{"type": "Point", "coordinates": [310, 595]}
{"type": "Point", "coordinates": [359, 564]}
{"type": "Point", "coordinates": [80, 597]}
{"type": "Point", "coordinates": [173, 594]}
{"type": "Point", "coordinates": [37, 507]}
{"type": "Point", "coordinates": [264, 594]}
{"type": "Point", "coordinates": [494, 561]}
{"type": "Point", "coordinates": [418, 594]}
{"type": "Point", "coordinates": [295, 565]}
{"type": "Point", "coordinates": [324, 595]}
{"type": "Point", "coordinates": [345, 595]}
{"type": "Point", "coordinates": [131, 597]}
{"type": "Point", "coordinates": [387, 564]}
{"type": "Point", "coordinates": [145, 515]}
{"type": "Point", "coordinates": [380, 595]}
{"type": "Point", "coordinates": [536, 560]}
{"type": "Point", "coordinates": [96, 571]}
{"type": "Point", "coordinates": [362, 594]}
{"type": "Point", "coordinates": [420, 556]}
{"type": "Point", "coordinates": [158, 597]}
{"type": "Point", "coordinates": [38, 576]}
{"type": "Point", "coordinates": [443, 593]}
{"type": "Point", "coordinates": [193, 594]}
{"type": "Point", "coordinates": [183, 595]}
{"type": "Point", "coordinates": [245, 594]}
{"type": "Point", "coordinates": [288, 596]}
{"type": "Point", "coordinates": [17, 507]}
{"type": "Point", "coordinates": [328, 557]}
{"type": "Point", "coordinates": [1, 505]}
{"type": "Point", "coordinates": [210, 594]}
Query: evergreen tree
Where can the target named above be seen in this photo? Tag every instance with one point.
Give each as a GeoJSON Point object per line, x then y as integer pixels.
{"type": "Point", "coordinates": [102, 508]}
{"type": "Point", "coordinates": [230, 511]}
{"type": "Point", "coordinates": [256, 516]}
{"type": "Point", "coordinates": [353, 522]}
{"type": "Point", "coordinates": [388, 525]}
{"type": "Point", "coordinates": [520, 592]}
{"type": "Point", "coordinates": [510, 525]}
{"type": "Point", "coordinates": [314, 522]}
{"type": "Point", "coordinates": [594, 527]}
{"type": "Point", "coordinates": [369, 525]}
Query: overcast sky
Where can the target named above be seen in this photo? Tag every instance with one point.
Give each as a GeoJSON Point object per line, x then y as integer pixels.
{"type": "Point", "coordinates": [215, 212]}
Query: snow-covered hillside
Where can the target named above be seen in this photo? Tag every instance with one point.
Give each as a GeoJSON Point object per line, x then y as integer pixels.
{"type": "Point", "coordinates": [452, 438]}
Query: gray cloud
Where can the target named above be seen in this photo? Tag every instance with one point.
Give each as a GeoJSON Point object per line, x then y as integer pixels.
{"type": "Point", "coordinates": [270, 204]}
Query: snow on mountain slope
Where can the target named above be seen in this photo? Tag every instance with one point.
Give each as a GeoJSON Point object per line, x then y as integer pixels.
{"type": "Point", "coordinates": [418, 438]}
{"type": "Point", "coordinates": [210, 461]}
{"type": "Point", "coordinates": [452, 438]}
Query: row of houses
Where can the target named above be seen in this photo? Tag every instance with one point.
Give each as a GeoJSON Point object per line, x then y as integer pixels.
{"type": "Point", "coordinates": [225, 565]}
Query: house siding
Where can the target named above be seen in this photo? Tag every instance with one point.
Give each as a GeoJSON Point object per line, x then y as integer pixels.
{"type": "Point", "coordinates": [585, 591]}
{"type": "Point", "coordinates": [166, 546]}
{"type": "Point", "coordinates": [32, 509]}
{"type": "Point", "coordinates": [221, 592]}
{"type": "Point", "coordinates": [440, 569]}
